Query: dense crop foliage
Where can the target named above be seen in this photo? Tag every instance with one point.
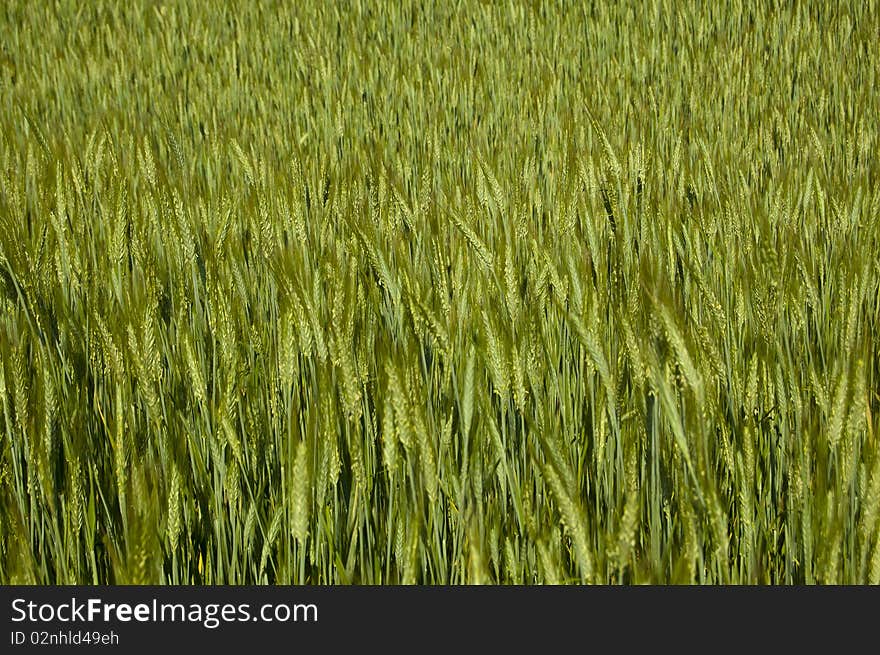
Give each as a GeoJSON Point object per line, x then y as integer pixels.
{"type": "Point", "coordinates": [439, 292]}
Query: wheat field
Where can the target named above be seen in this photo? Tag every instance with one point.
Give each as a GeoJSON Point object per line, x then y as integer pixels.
{"type": "Point", "coordinates": [439, 292]}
